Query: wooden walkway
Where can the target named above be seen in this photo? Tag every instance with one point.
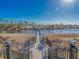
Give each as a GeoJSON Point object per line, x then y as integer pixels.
{"type": "Point", "coordinates": [35, 53]}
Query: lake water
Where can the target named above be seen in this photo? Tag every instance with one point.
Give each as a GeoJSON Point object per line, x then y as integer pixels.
{"type": "Point", "coordinates": [58, 31]}
{"type": "Point", "coordinates": [65, 31]}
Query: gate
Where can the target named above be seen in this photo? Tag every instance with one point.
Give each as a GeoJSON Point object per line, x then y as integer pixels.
{"type": "Point", "coordinates": [8, 53]}
{"type": "Point", "coordinates": [71, 53]}
{"type": "Point", "coordinates": [53, 53]}
{"type": "Point", "coordinates": [20, 55]}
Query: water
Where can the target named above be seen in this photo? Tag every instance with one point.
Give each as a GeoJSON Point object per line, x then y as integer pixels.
{"type": "Point", "coordinates": [61, 31]}
{"type": "Point", "coordinates": [33, 32]}
{"type": "Point", "coordinates": [65, 31]}
{"type": "Point", "coordinates": [57, 31]}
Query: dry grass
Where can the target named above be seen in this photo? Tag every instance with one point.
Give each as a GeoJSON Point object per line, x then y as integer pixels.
{"type": "Point", "coordinates": [62, 36]}
{"type": "Point", "coordinates": [18, 37]}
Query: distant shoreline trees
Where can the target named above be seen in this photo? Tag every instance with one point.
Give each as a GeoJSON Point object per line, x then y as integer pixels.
{"type": "Point", "coordinates": [24, 25]}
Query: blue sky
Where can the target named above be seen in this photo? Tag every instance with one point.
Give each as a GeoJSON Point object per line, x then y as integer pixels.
{"type": "Point", "coordinates": [41, 11]}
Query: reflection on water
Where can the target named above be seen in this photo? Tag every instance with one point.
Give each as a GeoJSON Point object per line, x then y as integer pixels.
{"type": "Point", "coordinates": [65, 31]}
{"type": "Point", "coordinates": [62, 31]}
{"type": "Point", "coordinates": [57, 31]}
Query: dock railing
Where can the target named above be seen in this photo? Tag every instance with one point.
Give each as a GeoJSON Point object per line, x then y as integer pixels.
{"type": "Point", "coordinates": [8, 53]}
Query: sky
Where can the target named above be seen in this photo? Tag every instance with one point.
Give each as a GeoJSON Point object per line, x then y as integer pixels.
{"type": "Point", "coordinates": [41, 11]}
